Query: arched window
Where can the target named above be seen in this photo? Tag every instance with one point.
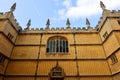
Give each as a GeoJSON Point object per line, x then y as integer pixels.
{"type": "Point", "coordinates": [57, 73]}
{"type": "Point", "coordinates": [57, 45]}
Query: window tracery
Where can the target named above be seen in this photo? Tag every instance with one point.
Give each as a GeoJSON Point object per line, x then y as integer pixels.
{"type": "Point", "coordinates": [57, 45]}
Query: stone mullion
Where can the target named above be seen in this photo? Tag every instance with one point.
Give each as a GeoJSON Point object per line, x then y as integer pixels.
{"type": "Point", "coordinates": [55, 45]}
{"type": "Point", "coordinates": [49, 46]}
{"type": "Point", "coordinates": [62, 45]}
{"type": "Point", "coordinates": [58, 45]}
{"type": "Point", "coordinates": [65, 45]}
{"type": "Point", "coordinates": [52, 46]}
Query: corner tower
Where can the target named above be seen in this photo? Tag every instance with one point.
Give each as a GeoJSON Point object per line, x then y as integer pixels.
{"type": "Point", "coordinates": [9, 30]}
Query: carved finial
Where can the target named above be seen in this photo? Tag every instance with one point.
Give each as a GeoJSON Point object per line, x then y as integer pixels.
{"type": "Point", "coordinates": [13, 7]}
{"type": "Point", "coordinates": [68, 23]}
{"type": "Point", "coordinates": [48, 23]}
{"type": "Point", "coordinates": [87, 23]}
{"type": "Point", "coordinates": [102, 5]}
{"type": "Point", "coordinates": [28, 25]}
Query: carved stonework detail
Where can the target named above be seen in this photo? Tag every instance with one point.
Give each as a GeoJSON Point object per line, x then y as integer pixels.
{"type": "Point", "coordinates": [102, 5]}
{"type": "Point", "coordinates": [48, 24]}
{"type": "Point", "coordinates": [13, 7]}
{"type": "Point", "coordinates": [87, 23]}
{"type": "Point", "coordinates": [57, 72]}
{"type": "Point", "coordinates": [28, 25]}
{"type": "Point", "coordinates": [68, 23]}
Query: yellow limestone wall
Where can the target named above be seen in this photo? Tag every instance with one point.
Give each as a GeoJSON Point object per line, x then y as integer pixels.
{"type": "Point", "coordinates": [28, 39]}
{"type": "Point", "coordinates": [93, 67]}
{"type": "Point", "coordinates": [19, 78]}
{"type": "Point", "coordinates": [105, 28]}
{"type": "Point", "coordinates": [90, 52]}
{"type": "Point", "coordinates": [5, 45]}
{"type": "Point", "coordinates": [116, 77]}
{"type": "Point", "coordinates": [71, 78]}
{"type": "Point", "coordinates": [111, 44]}
{"type": "Point", "coordinates": [45, 67]}
{"type": "Point", "coordinates": [95, 78]}
{"type": "Point", "coordinates": [115, 67]}
{"type": "Point", "coordinates": [25, 52]}
{"type": "Point", "coordinates": [117, 34]}
{"type": "Point", "coordinates": [21, 68]}
{"type": "Point", "coordinates": [43, 78]}
{"type": "Point", "coordinates": [3, 67]}
{"type": "Point", "coordinates": [9, 29]}
{"type": "Point", "coordinates": [87, 38]}
{"type": "Point", "coordinates": [2, 23]}
{"type": "Point", "coordinates": [114, 24]}
{"type": "Point", "coordinates": [69, 67]}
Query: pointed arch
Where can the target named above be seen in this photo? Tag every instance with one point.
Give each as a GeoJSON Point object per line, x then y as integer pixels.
{"type": "Point", "coordinates": [57, 73]}
{"type": "Point", "coordinates": [57, 44]}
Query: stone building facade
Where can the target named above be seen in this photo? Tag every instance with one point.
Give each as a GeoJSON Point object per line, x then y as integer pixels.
{"type": "Point", "coordinates": [60, 54]}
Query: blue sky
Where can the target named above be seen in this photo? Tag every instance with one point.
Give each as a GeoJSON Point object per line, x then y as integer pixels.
{"type": "Point", "coordinates": [58, 11]}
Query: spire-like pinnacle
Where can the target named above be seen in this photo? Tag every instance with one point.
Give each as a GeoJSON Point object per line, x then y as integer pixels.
{"type": "Point", "coordinates": [48, 23]}
{"type": "Point", "coordinates": [102, 5]}
{"type": "Point", "coordinates": [28, 24]}
{"type": "Point", "coordinates": [87, 23]}
{"type": "Point", "coordinates": [13, 7]}
{"type": "Point", "coordinates": [68, 22]}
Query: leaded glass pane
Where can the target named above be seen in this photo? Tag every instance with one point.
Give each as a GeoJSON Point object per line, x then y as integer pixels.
{"type": "Point", "coordinates": [57, 45]}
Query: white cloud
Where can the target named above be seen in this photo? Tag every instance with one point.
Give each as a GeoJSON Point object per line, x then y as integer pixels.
{"type": "Point", "coordinates": [67, 3]}
{"type": "Point", "coordinates": [61, 12]}
{"type": "Point", "coordinates": [56, 2]}
{"type": "Point", "coordinates": [85, 8]}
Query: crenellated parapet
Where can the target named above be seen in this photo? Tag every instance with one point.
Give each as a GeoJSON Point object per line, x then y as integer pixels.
{"type": "Point", "coordinates": [59, 30]}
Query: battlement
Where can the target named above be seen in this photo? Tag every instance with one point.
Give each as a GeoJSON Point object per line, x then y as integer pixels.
{"type": "Point", "coordinates": [3, 15]}
{"type": "Point", "coordinates": [59, 30]}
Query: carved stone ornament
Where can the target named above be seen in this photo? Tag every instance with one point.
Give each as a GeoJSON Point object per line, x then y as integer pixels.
{"type": "Point", "coordinates": [28, 25]}
{"type": "Point", "coordinates": [13, 7]}
{"type": "Point", "coordinates": [102, 5]}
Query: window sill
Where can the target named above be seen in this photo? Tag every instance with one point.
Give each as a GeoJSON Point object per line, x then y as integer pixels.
{"type": "Point", "coordinates": [57, 53]}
